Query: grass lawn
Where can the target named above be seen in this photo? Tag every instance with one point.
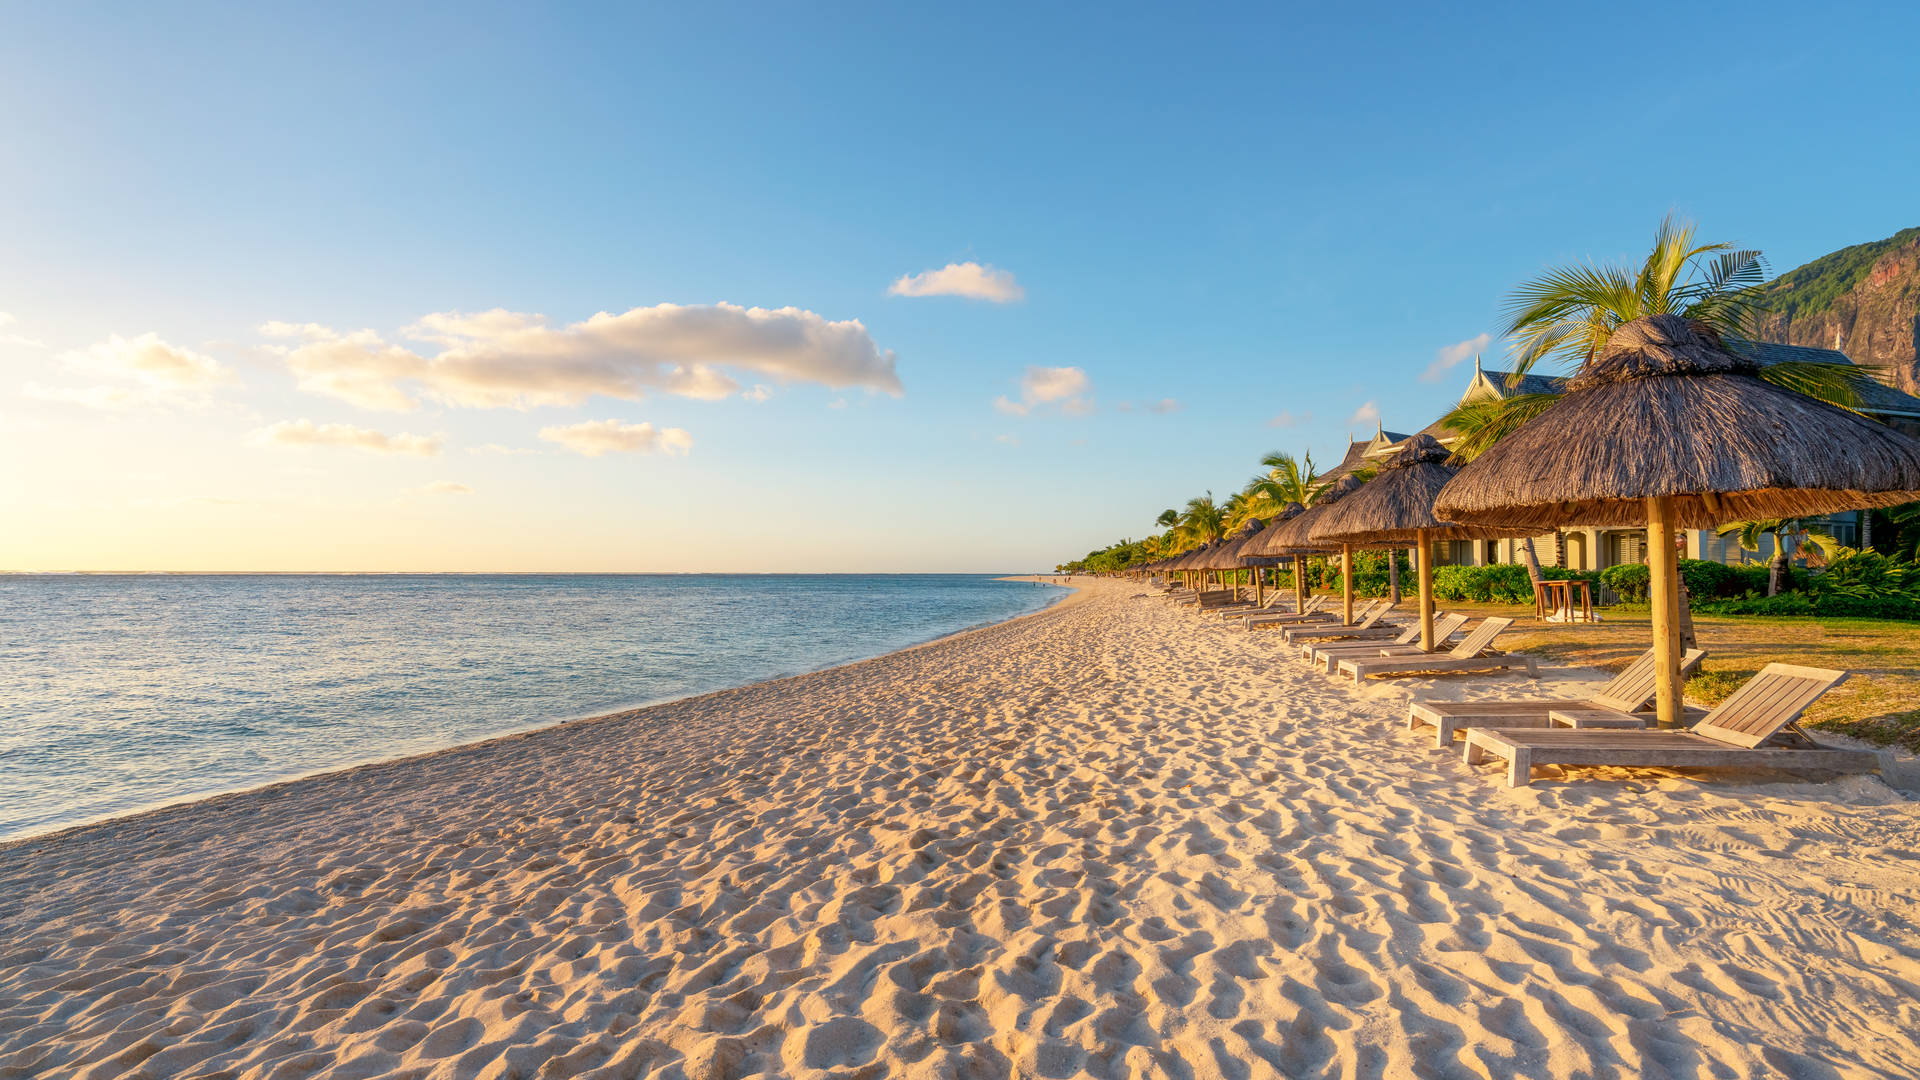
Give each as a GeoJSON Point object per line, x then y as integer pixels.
{"type": "Point", "coordinates": [1880, 702]}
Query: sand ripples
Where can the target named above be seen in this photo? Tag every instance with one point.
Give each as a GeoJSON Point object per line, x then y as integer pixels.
{"type": "Point", "coordinates": [1103, 841]}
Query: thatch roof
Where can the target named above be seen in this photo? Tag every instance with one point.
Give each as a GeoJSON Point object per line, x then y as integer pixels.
{"type": "Point", "coordinates": [1664, 409]}
{"type": "Point", "coordinates": [1392, 508]}
{"type": "Point", "coordinates": [1291, 537]}
{"type": "Point", "coordinates": [1220, 554]}
{"type": "Point", "coordinates": [1232, 555]}
{"type": "Point", "coordinates": [1195, 559]}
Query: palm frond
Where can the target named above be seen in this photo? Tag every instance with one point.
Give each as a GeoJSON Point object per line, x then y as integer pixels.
{"type": "Point", "coordinates": [1553, 316]}
{"type": "Point", "coordinates": [1843, 385]}
{"type": "Point", "coordinates": [1485, 422]}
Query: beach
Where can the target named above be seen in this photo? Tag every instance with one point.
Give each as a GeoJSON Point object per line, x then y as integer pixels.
{"type": "Point", "coordinates": [1107, 839]}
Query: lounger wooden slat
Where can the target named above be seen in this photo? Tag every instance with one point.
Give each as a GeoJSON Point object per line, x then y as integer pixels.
{"type": "Point", "coordinates": [1464, 657]}
{"type": "Point", "coordinates": [1730, 736]}
{"type": "Point", "coordinates": [1767, 703]}
{"type": "Point", "coordinates": [1373, 614]}
{"type": "Point", "coordinates": [1248, 607]}
{"type": "Point", "coordinates": [1311, 611]}
{"type": "Point", "coordinates": [1326, 655]}
{"type": "Point", "coordinates": [1626, 694]}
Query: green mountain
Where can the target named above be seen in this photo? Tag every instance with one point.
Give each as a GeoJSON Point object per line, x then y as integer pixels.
{"type": "Point", "coordinates": [1863, 300]}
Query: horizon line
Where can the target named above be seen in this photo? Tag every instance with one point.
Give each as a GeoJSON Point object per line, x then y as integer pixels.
{"type": "Point", "coordinates": [518, 573]}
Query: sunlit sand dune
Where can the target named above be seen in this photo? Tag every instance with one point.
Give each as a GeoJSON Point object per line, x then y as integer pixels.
{"type": "Point", "coordinates": [1107, 840]}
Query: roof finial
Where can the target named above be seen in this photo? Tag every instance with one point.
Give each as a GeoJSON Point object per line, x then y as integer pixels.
{"type": "Point", "coordinates": [1378, 428]}
{"type": "Point", "coordinates": [1476, 363]}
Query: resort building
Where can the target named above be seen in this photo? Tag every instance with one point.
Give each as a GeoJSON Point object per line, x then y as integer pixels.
{"type": "Point", "coordinates": [1596, 549]}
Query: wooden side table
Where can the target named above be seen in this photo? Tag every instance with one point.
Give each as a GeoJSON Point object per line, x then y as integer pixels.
{"type": "Point", "coordinates": [1558, 595]}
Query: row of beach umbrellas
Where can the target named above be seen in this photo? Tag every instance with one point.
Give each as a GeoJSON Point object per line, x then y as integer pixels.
{"type": "Point", "coordinates": [1664, 428]}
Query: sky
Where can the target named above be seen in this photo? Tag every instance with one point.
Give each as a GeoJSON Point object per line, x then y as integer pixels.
{"type": "Point", "coordinates": [771, 287]}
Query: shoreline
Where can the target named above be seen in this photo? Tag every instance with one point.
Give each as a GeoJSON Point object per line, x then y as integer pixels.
{"type": "Point", "coordinates": [1103, 838]}
{"type": "Point", "coordinates": [190, 801]}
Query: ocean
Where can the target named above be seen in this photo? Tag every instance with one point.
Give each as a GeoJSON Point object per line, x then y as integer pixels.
{"type": "Point", "coordinates": [124, 692]}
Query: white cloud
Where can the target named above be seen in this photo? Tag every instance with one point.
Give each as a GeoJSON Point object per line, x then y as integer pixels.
{"type": "Point", "coordinates": [1365, 414]}
{"type": "Point", "coordinates": [1164, 406]}
{"type": "Point", "coordinates": [1067, 387]}
{"type": "Point", "coordinates": [969, 279]}
{"type": "Point", "coordinates": [760, 392]}
{"type": "Point", "coordinates": [106, 398]}
{"type": "Point", "coordinates": [496, 359]}
{"type": "Point", "coordinates": [445, 487]}
{"type": "Point", "coordinates": [595, 437]}
{"type": "Point", "coordinates": [138, 371]}
{"type": "Point", "coordinates": [148, 360]}
{"type": "Point", "coordinates": [496, 448]}
{"type": "Point", "coordinates": [1042, 384]}
{"type": "Point", "coordinates": [308, 433]}
{"type": "Point", "coordinates": [8, 337]}
{"type": "Point", "coordinates": [1009, 440]}
{"type": "Point", "coordinates": [1447, 357]}
{"type": "Point", "coordinates": [1288, 419]}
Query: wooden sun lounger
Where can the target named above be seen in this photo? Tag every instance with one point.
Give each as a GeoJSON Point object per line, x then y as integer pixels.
{"type": "Point", "coordinates": [1248, 607]}
{"type": "Point", "coordinates": [1464, 657]}
{"type": "Point", "coordinates": [1373, 614]}
{"type": "Point", "coordinates": [1311, 611]}
{"type": "Point", "coordinates": [1625, 694]}
{"type": "Point", "coordinates": [1735, 735]}
{"type": "Point", "coordinates": [1329, 654]}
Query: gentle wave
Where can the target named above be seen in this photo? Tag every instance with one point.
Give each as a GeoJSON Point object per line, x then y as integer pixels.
{"type": "Point", "coordinates": [125, 692]}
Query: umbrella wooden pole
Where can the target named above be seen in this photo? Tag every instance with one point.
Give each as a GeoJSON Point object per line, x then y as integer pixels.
{"type": "Point", "coordinates": [1664, 579]}
{"type": "Point", "coordinates": [1299, 583]}
{"type": "Point", "coordinates": [1346, 584]}
{"type": "Point", "coordinates": [1259, 588]}
{"type": "Point", "coordinates": [1425, 553]}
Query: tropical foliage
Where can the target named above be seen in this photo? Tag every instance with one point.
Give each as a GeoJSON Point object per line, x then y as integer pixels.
{"type": "Point", "coordinates": [1568, 313]}
{"type": "Point", "coordinates": [1284, 479]}
{"type": "Point", "coordinates": [1789, 535]}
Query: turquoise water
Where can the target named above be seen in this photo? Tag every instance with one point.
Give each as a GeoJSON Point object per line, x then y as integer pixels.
{"type": "Point", "coordinates": [119, 693]}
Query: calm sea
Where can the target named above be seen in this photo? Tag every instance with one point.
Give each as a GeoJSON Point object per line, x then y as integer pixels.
{"type": "Point", "coordinates": [119, 693]}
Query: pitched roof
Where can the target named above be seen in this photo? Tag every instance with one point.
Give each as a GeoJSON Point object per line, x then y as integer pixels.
{"type": "Point", "coordinates": [1876, 398]}
{"type": "Point", "coordinates": [1530, 383]}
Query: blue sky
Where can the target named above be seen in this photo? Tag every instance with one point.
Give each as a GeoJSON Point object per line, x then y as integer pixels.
{"type": "Point", "coordinates": [1253, 212]}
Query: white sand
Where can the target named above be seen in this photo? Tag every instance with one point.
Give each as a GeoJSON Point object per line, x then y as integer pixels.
{"type": "Point", "coordinates": [1105, 840]}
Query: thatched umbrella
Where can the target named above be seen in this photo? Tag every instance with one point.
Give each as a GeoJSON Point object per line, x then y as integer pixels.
{"type": "Point", "coordinates": [1242, 560]}
{"type": "Point", "coordinates": [1223, 556]}
{"type": "Point", "coordinates": [1291, 539]}
{"type": "Point", "coordinates": [1190, 563]}
{"type": "Point", "coordinates": [1232, 556]}
{"type": "Point", "coordinates": [1395, 509]}
{"type": "Point", "coordinates": [1666, 427]}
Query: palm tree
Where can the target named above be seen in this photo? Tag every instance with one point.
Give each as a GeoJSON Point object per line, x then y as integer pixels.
{"type": "Point", "coordinates": [1568, 313]}
{"type": "Point", "coordinates": [1203, 521]}
{"type": "Point", "coordinates": [1785, 531]}
{"type": "Point", "coordinates": [1168, 518]}
{"type": "Point", "coordinates": [1242, 506]}
{"type": "Point", "coordinates": [1287, 479]}
{"type": "Point", "coordinates": [1906, 536]}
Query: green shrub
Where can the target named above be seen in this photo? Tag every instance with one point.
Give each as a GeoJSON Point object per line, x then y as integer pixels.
{"type": "Point", "coordinates": [1784, 604]}
{"type": "Point", "coordinates": [1629, 581]}
{"type": "Point", "coordinates": [1502, 583]}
